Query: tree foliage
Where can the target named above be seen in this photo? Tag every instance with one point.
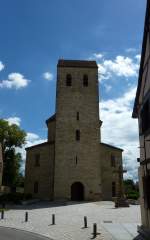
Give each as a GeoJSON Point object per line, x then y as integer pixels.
{"type": "Point", "coordinates": [131, 189]}
{"type": "Point", "coordinates": [11, 136]}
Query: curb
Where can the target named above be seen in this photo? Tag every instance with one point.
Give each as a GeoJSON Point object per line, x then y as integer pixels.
{"type": "Point", "coordinates": [26, 231]}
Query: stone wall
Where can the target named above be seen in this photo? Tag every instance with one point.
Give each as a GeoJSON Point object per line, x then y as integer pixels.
{"type": "Point", "coordinates": [144, 137]}
{"type": "Point", "coordinates": [77, 161]}
{"type": "Point", "coordinates": [144, 141]}
{"type": "Point", "coordinates": [142, 104]}
{"type": "Point", "coordinates": [108, 170]}
{"type": "Point", "coordinates": [43, 174]}
{"type": "Point", "coordinates": [51, 124]}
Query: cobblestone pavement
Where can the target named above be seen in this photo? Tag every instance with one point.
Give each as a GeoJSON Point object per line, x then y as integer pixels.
{"type": "Point", "coordinates": [112, 224]}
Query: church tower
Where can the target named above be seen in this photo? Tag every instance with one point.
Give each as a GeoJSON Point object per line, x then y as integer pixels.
{"type": "Point", "coordinates": [77, 174]}
{"type": "Point", "coordinates": [73, 163]}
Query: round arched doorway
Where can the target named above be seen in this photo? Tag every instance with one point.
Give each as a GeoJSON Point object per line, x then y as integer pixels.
{"type": "Point", "coordinates": [77, 191]}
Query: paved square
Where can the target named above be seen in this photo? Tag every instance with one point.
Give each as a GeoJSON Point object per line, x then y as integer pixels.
{"type": "Point", "coordinates": [113, 224]}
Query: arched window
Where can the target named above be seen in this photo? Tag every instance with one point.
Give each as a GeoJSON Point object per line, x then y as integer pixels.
{"type": "Point", "coordinates": [85, 80]}
{"type": "Point", "coordinates": [76, 160]}
{"type": "Point", "coordinates": [68, 80]}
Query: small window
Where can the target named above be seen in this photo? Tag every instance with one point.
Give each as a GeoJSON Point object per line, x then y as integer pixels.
{"type": "Point", "coordinates": [85, 80]}
{"type": "Point", "coordinates": [68, 80]}
{"type": "Point", "coordinates": [37, 160]}
{"type": "Point", "coordinates": [76, 160]}
{"type": "Point", "coordinates": [36, 187]}
{"type": "Point", "coordinates": [145, 117]}
{"type": "Point", "coordinates": [77, 135]}
{"type": "Point", "coordinates": [113, 189]}
{"type": "Point", "coordinates": [77, 116]}
{"type": "Point", "coordinates": [113, 161]}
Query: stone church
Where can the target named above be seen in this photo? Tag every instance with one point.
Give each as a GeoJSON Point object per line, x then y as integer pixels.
{"type": "Point", "coordinates": [74, 164]}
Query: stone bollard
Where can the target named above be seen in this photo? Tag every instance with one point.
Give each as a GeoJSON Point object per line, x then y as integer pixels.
{"type": "Point", "coordinates": [2, 214]}
{"type": "Point", "coordinates": [85, 222]}
{"type": "Point", "coordinates": [53, 219]}
{"type": "Point", "coordinates": [94, 230]}
{"type": "Point", "coordinates": [26, 216]}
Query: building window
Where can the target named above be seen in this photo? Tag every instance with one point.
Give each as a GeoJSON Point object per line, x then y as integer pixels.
{"type": "Point", "coordinates": [145, 117]}
{"type": "Point", "coordinates": [77, 135]}
{"type": "Point", "coordinates": [76, 160]}
{"type": "Point", "coordinates": [146, 191]}
{"type": "Point", "coordinates": [85, 80]}
{"type": "Point", "coordinates": [77, 116]}
{"type": "Point", "coordinates": [37, 160]}
{"type": "Point", "coordinates": [69, 80]}
{"type": "Point", "coordinates": [36, 187]}
{"type": "Point", "coordinates": [113, 189]}
{"type": "Point", "coordinates": [113, 161]}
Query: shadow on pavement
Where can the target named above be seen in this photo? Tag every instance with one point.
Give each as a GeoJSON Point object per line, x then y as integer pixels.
{"type": "Point", "coordinates": [43, 204]}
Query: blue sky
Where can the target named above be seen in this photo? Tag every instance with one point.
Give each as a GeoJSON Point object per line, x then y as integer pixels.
{"type": "Point", "coordinates": [36, 33]}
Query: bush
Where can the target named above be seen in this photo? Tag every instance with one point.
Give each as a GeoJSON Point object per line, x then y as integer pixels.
{"type": "Point", "coordinates": [133, 195]}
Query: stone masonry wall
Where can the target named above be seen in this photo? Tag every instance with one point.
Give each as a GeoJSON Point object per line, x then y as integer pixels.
{"type": "Point", "coordinates": [77, 161]}
{"type": "Point", "coordinates": [51, 130]}
{"type": "Point", "coordinates": [144, 137]}
{"type": "Point", "coordinates": [42, 174]}
{"type": "Point", "coordinates": [108, 171]}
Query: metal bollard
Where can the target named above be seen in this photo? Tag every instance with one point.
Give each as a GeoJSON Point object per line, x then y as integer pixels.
{"type": "Point", "coordinates": [85, 222]}
{"type": "Point", "coordinates": [53, 219]}
{"type": "Point", "coordinates": [26, 216]}
{"type": "Point", "coordinates": [94, 230]}
{"type": "Point", "coordinates": [2, 214]}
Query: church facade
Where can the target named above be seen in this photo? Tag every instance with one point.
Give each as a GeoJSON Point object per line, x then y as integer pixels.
{"type": "Point", "coordinates": [74, 163]}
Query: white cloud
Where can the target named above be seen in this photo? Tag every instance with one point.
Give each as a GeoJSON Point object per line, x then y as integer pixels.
{"type": "Point", "coordinates": [120, 129]}
{"type": "Point", "coordinates": [1, 66]}
{"type": "Point", "coordinates": [48, 76]}
{"type": "Point", "coordinates": [15, 80]}
{"type": "Point", "coordinates": [31, 138]}
{"type": "Point", "coordinates": [138, 57]}
{"type": "Point", "coordinates": [14, 120]}
{"type": "Point", "coordinates": [97, 55]}
{"type": "Point", "coordinates": [131, 50]}
{"type": "Point", "coordinates": [121, 66]}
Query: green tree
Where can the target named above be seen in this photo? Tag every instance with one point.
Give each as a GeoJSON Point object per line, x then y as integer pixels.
{"type": "Point", "coordinates": [11, 136]}
{"type": "Point", "coordinates": [131, 189]}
